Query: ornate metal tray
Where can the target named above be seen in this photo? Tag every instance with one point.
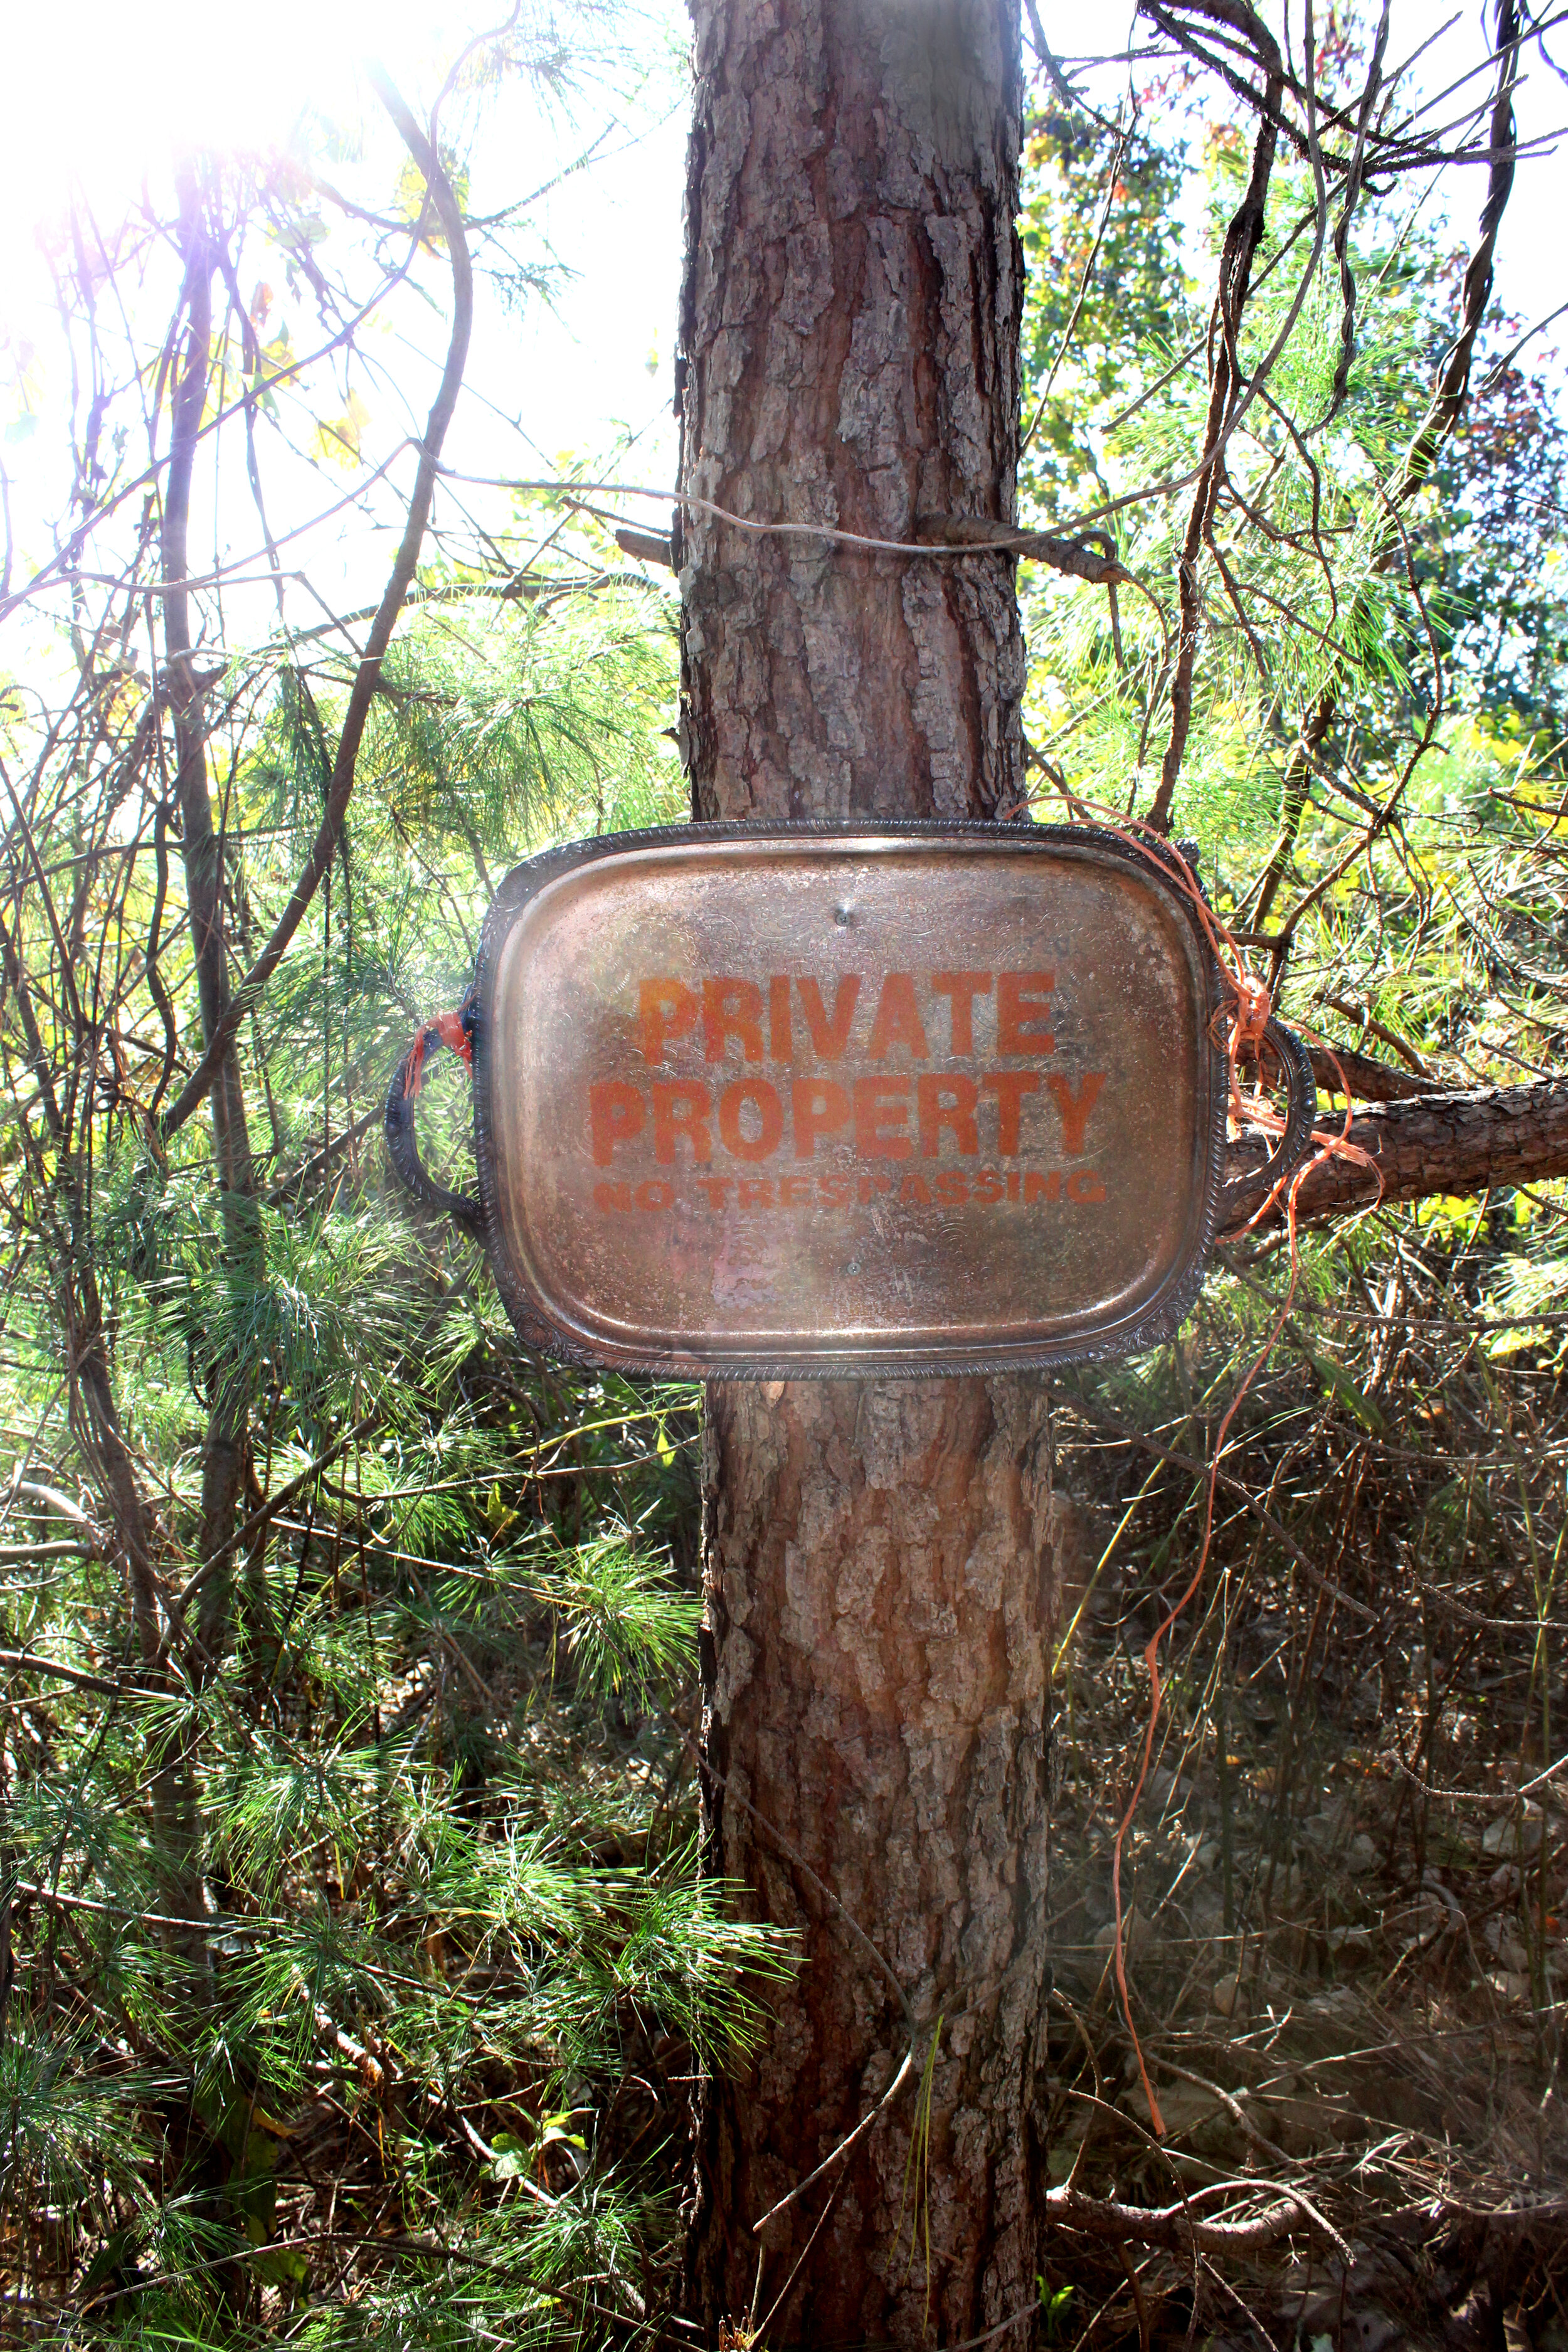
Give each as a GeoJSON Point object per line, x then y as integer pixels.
{"type": "Point", "coordinates": [862, 1099]}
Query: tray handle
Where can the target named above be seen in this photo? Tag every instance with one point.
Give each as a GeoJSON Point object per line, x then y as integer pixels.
{"type": "Point", "coordinates": [1300, 1118]}
{"type": "Point", "coordinates": [455, 1030]}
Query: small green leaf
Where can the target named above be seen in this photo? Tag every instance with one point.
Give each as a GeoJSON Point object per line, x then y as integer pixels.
{"type": "Point", "coordinates": [281, 2266]}
{"type": "Point", "coordinates": [1339, 1384]}
{"type": "Point", "coordinates": [117, 2254]}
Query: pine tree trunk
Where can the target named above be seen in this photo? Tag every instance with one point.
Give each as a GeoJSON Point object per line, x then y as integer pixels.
{"type": "Point", "coordinates": [881, 1562]}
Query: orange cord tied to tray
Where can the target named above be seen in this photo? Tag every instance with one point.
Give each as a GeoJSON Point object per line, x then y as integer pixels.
{"type": "Point", "coordinates": [1254, 1011]}
{"type": "Point", "coordinates": [452, 1029]}
{"type": "Point", "coordinates": [1247, 1016]}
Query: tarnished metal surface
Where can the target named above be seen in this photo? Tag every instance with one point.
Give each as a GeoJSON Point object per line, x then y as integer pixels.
{"type": "Point", "coordinates": [904, 1099]}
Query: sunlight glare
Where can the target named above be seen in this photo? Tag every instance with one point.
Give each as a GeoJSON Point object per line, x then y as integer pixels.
{"type": "Point", "coordinates": [101, 96]}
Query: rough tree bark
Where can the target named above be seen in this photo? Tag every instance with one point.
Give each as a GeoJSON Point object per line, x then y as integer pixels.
{"type": "Point", "coordinates": [880, 1563]}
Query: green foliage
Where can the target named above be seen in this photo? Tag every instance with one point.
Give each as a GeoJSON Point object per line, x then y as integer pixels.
{"type": "Point", "coordinates": [627, 1628]}
{"type": "Point", "coordinates": [1137, 306]}
{"type": "Point", "coordinates": [512, 726]}
{"type": "Point", "coordinates": [364, 1960]}
{"type": "Point", "coordinates": [61, 2122]}
{"type": "Point", "coordinates": [1307, 580]}
{"type": "Point", "coordinates": [348, 1902]}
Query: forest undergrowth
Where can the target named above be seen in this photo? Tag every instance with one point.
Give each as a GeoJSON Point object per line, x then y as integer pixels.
{"type": "Point", "coordinates": [1345, 1889]}
{"type": "Point", "coordinates": [428, 2074]}
{"type": "Point", "coordinates": [412, 2062]}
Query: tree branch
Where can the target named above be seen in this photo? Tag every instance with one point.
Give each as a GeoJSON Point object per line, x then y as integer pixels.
{"type": "Point", "coordinates": [1242, 240]}
{"type": "Point", "coordinates": [368, 675]}
{"type": "Point", "coordinates": [1460, 1143]}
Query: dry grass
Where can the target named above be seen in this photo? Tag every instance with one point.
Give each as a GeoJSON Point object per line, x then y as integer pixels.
{"type": "Point", "coordinates": [1347, 1944]}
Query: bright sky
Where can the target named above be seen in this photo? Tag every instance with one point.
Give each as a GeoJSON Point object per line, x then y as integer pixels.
{"type": "Point", "coordinates": [99, 93]}
{"type": "Point", "coordinates": [97, 100]}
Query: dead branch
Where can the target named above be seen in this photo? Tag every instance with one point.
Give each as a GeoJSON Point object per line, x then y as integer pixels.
{"type": "Point", "coordinates": [1434, 1143]}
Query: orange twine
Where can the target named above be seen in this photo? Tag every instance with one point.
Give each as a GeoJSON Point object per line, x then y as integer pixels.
{"type": "Point", "coordinates": [448, 1028]}
{"type": "Point", "coordinates": [1249, 1012]}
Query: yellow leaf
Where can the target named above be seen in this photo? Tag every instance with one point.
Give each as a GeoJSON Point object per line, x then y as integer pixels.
{"type": "Point", "coordinates": [411, 196]}
{"type": "Point", "coordinates": [274, 358]}
{"type": "Point", "coordinates": [337, 439]}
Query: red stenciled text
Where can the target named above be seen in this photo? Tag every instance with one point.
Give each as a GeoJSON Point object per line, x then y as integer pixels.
{"type": "Point", "coordinates": [787, 1092]}
{"type": "Point", "coordinates": [898, 1111]}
